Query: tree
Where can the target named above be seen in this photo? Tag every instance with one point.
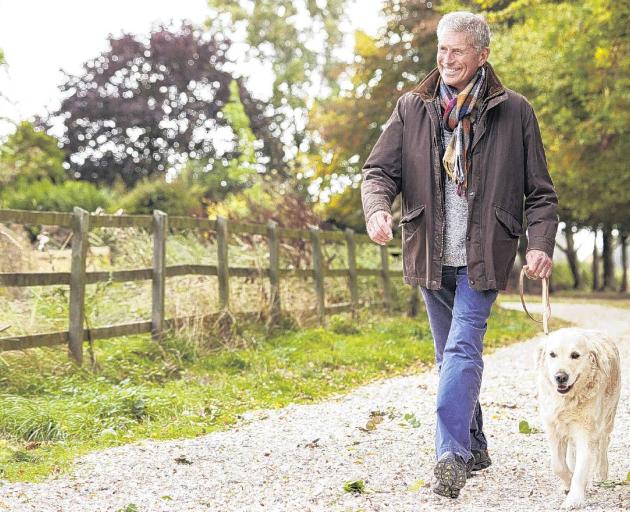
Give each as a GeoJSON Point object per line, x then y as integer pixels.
{"type": "Point", "coordinates": [623, 242]}
{"type": "Point", "coordinates": [348, 124]}
{"type": "Point", "coordinates": [580, 94]}
{"type": "Point", "coordinates": [570, 252]}
{"type": "Point", "coordinates": [297, 40]}
{"type": "Point", "coordinates": [218, 177]}
{"type": "Point", "coordinates": [143, 107]}
{"type": "Point", "coordinates": [33, 177]}
{"type": "Point", "coordinates": [30, 155]}
{"type": "Point", "coordinates": [3, 64]}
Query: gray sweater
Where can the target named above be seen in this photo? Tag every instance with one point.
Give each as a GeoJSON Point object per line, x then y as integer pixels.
{"type": "Point", "coordinates": [456, 217]}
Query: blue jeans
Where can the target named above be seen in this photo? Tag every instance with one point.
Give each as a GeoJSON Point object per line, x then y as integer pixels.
{"type": "Point", "coordinates": [458, 318]}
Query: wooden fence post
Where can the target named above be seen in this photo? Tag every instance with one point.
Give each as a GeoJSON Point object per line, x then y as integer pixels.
{"type": "Point", "coordinates": [222, 263]}
{"type": "Point", "coordinates": [387, 290]}
{"type": "Point", "coordinates": [80, 228]}
{"type": "Point", "coordinates": [318, 275]}
{"type": "Point", "coordinates": [352, 271]}
{"type": "Point", "coordinates": [274, 270]}
{"type": "Point", "coordinates": [160, 227]}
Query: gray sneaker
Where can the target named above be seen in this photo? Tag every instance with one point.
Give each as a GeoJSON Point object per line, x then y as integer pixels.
{"type": "Point", "coordinates": [450, 474]}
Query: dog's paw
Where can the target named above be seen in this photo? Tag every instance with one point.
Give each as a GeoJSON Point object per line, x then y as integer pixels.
{"type": "Point", "coordinates": [573, 501]}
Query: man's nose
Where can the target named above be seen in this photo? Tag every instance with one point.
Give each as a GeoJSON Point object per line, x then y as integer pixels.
{"type": "Point", "coordinates": [562, 377]}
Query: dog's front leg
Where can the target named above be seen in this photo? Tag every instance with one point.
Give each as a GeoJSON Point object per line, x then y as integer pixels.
{"type": "Point", "coordinates": [584, 449]}
{"type": "Point", "coordinates": [602, 458]}
{"type": "Point", "coordinates": [559, 460]}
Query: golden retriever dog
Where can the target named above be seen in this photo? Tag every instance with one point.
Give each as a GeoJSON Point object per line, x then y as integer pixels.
{"type": "Point", "coordinates": [579, 383]}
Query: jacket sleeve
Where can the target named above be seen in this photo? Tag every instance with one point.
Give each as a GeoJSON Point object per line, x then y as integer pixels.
{"type": "Point", "coordinates": [541, 202]}
{"type": "Point", "coordinates": [382, 169]}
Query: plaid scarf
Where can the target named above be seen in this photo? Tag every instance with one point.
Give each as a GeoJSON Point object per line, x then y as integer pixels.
{"type": "Point", "coordinates": [456, 108]}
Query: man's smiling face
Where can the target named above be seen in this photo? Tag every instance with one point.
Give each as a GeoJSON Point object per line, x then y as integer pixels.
{"type": "Point", "coordinates": [457, 59]}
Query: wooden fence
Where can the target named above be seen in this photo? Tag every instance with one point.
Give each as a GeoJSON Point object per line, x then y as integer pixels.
{"type": "Point", "coordinates": [81, 222]}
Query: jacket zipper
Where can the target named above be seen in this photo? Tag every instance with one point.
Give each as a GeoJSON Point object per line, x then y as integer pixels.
{"type": "Point", "coordinates": [440, 194]}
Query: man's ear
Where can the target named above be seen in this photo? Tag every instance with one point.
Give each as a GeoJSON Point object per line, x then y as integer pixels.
{"type": "Point", "coordinates": [484, 55]}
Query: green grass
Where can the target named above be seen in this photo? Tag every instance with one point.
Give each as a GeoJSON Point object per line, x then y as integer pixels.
{"type": "Point", "coordinates": [53, 410]}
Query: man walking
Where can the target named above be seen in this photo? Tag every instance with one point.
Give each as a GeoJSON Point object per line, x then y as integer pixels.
{"type": "Point", "coordinates": [466, 155]}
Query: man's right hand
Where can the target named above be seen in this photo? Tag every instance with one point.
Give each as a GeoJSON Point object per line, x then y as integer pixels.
{"type": "Point", "coordinates": [379, 227]}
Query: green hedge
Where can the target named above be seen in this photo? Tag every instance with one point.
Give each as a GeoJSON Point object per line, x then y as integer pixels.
{"type": "Point", "coordinates": [45, 195]}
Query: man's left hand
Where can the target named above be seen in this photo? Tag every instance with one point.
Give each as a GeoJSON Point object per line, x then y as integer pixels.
{"type": "Point", "coordinates": [539, 264]}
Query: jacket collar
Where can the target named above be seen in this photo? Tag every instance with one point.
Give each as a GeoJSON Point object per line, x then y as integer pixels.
{"type": "Point", "coordinates": [429, 89]}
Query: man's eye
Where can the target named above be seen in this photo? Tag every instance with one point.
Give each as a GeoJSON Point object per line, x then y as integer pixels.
{"type": "Point", "coordinates": [552, 354]}
{"type": "Point", "coordinates": [575, 355]}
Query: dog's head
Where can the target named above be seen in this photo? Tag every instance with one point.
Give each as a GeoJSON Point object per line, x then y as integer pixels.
{"type": "Point", "coordinates": [567, 359]}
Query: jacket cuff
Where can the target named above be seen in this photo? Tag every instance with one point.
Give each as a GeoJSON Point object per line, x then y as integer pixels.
{"type": "Point", "coordinates": [546, 245]}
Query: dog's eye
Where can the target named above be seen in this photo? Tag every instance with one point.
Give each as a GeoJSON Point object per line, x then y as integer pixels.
{"type": "Point", "coordinates": [552, 354]}
{"type": "Point", "coordinates": [575, 355]}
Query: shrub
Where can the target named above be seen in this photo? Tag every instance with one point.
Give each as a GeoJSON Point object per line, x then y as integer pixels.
{"type": "Point", "coordinates": [122, 408]}
{"type": "Point", "coordinates": [44, 195]}
{"type": "Point", "coordinates": [28, 421]}
{"type": "Point", "coordinates": [342, 324]}
{"type": "Point", "coordinates": [173, 198]}
{"type": "Point", "coordinates": [263, 202]}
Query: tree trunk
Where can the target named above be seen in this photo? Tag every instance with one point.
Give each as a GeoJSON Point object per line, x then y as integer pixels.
{"type": "Point", "coordinates": [623, 239]}
{"type": "Point", "coordinates": [607, 259]}
{"type": "Point", "coordinates": [572, 258]}
{"type": "Point", "coordinates": [595, 264]}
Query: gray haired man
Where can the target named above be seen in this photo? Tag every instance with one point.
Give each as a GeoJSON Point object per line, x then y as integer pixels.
{"type": "Point", "coordinates": [466, 155]}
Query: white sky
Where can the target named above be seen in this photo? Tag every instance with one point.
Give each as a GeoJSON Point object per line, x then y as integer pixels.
{"type": "Point", "coordinates": [42, 37]}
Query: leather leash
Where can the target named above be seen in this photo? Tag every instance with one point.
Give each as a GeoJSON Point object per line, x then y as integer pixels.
{"type": "Point", "coordinates": [546, 306]}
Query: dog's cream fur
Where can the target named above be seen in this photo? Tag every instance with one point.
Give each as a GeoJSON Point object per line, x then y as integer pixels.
{"type": "Point", "coordinates": [578, 415]}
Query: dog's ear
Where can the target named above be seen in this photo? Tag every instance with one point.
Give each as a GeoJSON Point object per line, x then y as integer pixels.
{"type": "Point", "coordinates": [539, 354]}
{"type": "Point", "coordinates": [598, 358]}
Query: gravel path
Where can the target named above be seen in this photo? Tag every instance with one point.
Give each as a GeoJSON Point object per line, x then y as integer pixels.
{"type": "Point", "coordinates": [298, 458]}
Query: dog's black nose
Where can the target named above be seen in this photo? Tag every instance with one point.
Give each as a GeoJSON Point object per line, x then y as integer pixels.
{"type": "Point", "coordinates": [562, 378]}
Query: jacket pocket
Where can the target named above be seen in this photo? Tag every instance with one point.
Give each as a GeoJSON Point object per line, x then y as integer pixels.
{"type": "Point", "coordinates": [411, 214]}
{"type": "Point", "coordinates": [509, 222]}
{"type": "Point", "coordinates": [413, 242]}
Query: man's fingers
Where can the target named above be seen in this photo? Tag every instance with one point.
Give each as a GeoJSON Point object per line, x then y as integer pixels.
{"type": "Point", "coordinates": [379, 227]}
{"type": "Point", "coordinates": [542, 269]}
{"type": "Point", "coordinates": [539, 264]}
{"type": "Point", "coordinates": [384, 226]}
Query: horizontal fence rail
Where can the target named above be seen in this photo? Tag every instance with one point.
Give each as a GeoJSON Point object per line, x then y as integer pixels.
{"type": "Point", "coordinates": [81, 222]}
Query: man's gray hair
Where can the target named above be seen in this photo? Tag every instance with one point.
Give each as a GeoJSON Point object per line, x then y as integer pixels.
{"type": "Point", "coordinates": [473, 25]}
